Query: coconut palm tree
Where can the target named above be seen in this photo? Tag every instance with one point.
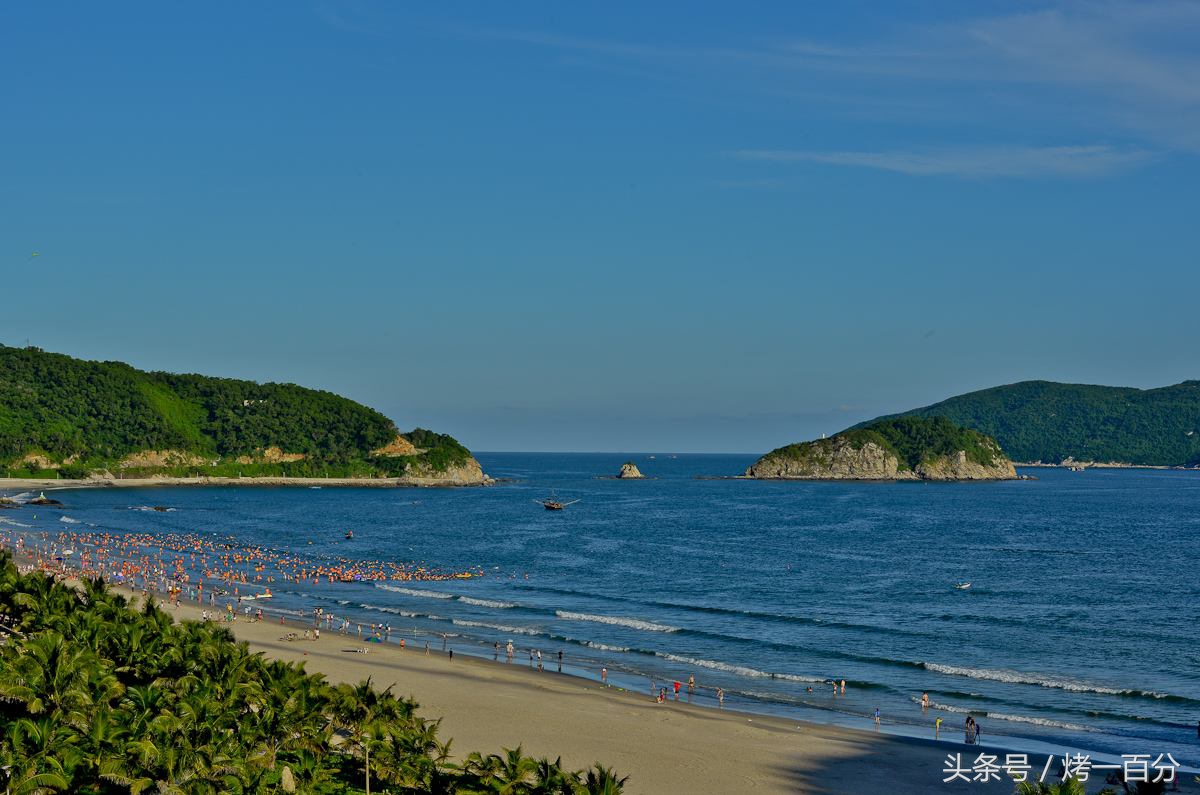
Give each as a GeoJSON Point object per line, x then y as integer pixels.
{"type": "Point", "coordinates": [552, 779]}
{"type": "Point", "coordinates": [38, 755]}
{"type": "Point", "coordinates": [510, 773]}
{"type": "Point", "coordinates": [47, 674]}
{"type": "Point", "coordinates": [601, 780]}
{"type": "Point", "coordinates": [98, 698]}
{"type": "Point", "coordinates": [287, 714]}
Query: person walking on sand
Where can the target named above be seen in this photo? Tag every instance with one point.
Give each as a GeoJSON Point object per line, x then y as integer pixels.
{"type": "Point", "coordinates": [604, 676]}
{"type": "Point", "coordinates": [451, 652]}
{"type": "Point", "coordinates": [496, 651]}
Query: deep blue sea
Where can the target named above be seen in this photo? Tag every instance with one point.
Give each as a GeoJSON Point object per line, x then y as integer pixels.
{"type": "Point", "coordinates": [1081, 627]}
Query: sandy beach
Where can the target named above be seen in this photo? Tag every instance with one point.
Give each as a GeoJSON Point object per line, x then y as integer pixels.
{"type": "Point", "coordinates": [664, 748]}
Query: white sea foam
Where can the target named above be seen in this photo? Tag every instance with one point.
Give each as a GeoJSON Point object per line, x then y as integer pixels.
{"type": "Point", "coordinates": [12, 523]}
{"type": "Point", "coordinates": [1054, 724]}
{"type": "Point", "coordinates": [616, 621]}
{"type": "Point", "coordinates": [799, 678]}
{"type": "Point", "coordinates": [68, 520]}
{"type": "Point", "coordinates": [1040, 722]}
{"type": "Point", "coordinates": [740, 670]}
{"type": "Point", "coordinates": [415, 592]}
{"type": "Point", "coordinates": [393, 610]}
{"type": "Point", "coordinates": [467, 600]}
{"type": "Point", "coordinates": [591, 644]}
{"type": "Point", "coordinates": [462, 622]}
{"type": "Point", "coordinates": [1016, 677]}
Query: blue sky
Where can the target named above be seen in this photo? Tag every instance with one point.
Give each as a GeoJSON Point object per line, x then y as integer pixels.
{"type": "Point", "coordinates": [670, 227]}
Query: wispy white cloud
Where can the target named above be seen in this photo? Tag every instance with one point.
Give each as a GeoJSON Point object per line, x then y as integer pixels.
{"type": "Point", "coordinates": [978, 162]}
{"type": "Point", "coordinates": [1109, 69]}
{"type": "Point", "coordinates": [348, 17]}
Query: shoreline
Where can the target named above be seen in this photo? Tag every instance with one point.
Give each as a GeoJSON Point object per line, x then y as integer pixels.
{"type": "Point", "coordinates": [1106, 465]}
{"type": "Point", "coordinates": [42, 484]}
{"type": "Point", "coordinates": [485, 705]}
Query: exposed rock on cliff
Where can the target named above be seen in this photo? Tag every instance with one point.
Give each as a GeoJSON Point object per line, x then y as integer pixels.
{"type": "Point", "coordinates": [272, 455]}
{"type": "Point", "coordinates": [959, 467]}
{"type": "Point", "coordinates": [161, 458]}
{"type": "Point", "coordinates": [396, 447]}
{"type": "Point", "coordinates": [907, 449]}
{"type": "Point", "coordinates": [629, 471]}
{"type": "Point", "coordinates": [468, 473]}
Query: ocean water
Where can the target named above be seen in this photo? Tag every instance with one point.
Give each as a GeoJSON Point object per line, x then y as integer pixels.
{"type": "Point", "coordinates": [1081, 628]}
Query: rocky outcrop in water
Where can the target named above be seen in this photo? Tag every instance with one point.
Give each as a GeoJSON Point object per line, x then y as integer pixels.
{"type": "Point", "coordinates": [629, 471]}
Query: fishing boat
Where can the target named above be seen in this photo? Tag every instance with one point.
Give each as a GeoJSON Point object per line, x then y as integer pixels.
{"type": "Point", "coordinates": [962, 586]}
{"type": "Point", "coordinates": [551, 504]}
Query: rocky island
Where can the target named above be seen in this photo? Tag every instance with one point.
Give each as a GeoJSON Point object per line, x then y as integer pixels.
{"type": "Point", "coordinates": [909, 448]}
{"type": "Point", "coordinates": [65, 419]}
{"type": "Point", "coordinates": [629, 471]}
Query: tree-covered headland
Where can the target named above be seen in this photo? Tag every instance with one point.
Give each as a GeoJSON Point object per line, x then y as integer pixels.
{"type": "Point", "coordinates": [73, 417]}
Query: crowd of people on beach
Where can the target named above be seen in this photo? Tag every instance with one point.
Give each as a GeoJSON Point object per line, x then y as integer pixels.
{"type": "Point", "coordinates": [192, 563]}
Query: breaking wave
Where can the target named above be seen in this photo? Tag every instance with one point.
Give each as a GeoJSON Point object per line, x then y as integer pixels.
{"type": "Point", "coordinates": [740, 670]}
{"type": "Point", "coordinates": [415, 592]}
{"type": "Point", "coordinates": [468, 600]}
{"type": "Point", "coordinates": [462, 622]}
{"type": "Point", "coordinates": [591, 644]}
{"type": "Point", "coordinates": [1071, 685]}
{"type": "Point", "coordinates": [1054, 724]}
{"type": "Point", "coordinates": [616, 621]}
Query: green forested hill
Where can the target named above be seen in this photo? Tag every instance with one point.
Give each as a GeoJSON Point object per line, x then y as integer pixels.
{"type": "Point", "coordinates": [89, 415]}
{"type": "Point", "coordinates": [1047, 421]}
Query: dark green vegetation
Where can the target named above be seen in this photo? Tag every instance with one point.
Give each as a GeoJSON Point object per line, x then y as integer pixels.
{"type": "Point", "coordinates": [1047, 421]}
{"type": "Point", "coordinates": [96, 697]}
{"type": "Point", "coordinates": [1073, 786]}
{"type": "Point", "coordinates": [911, 439]}
{"type": "Point", "coordinates": [87, 416]}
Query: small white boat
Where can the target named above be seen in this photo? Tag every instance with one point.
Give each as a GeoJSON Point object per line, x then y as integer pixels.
{"type": "Point", "coordinates": [962, 586]}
